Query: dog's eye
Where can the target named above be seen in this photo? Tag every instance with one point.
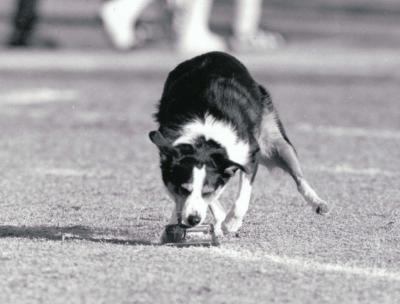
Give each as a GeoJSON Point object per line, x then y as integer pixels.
{"type": "Point", "coordinates": [207, 190]}
{"type": "Point", "coordinates": [186, 187]}
{"type": "Point", "coordinates": [206, 194]}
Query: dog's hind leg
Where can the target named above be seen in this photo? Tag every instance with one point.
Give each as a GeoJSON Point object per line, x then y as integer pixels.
{"type": "Point", "coordinates": [276, 150]}
{"type": "Point", "coordinates": [290, 163]}
{"type": "Point", "coordinates": [234, 219]}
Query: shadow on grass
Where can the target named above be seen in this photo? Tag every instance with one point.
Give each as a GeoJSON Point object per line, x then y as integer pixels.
{"type": "Point", "coordinates": [58, 233]}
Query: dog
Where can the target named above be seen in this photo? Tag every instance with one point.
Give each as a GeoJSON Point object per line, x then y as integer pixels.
{"type": "Point", "coordinates": [215, 120]}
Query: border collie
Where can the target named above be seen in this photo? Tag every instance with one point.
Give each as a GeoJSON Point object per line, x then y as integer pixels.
{"type": "Point", "coordinates": [214, 120]}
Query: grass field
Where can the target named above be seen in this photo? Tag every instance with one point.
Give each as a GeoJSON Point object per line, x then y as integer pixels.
{"type": "Point", "coordinates": [83, 206]}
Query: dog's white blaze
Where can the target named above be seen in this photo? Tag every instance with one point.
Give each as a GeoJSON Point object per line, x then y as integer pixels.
{"type": "Point", "coordinates": [195, 204]}
{"type": "Point", "coordinates": [222, 132]}
{"type": "Point", "coordinates": [199, 176]}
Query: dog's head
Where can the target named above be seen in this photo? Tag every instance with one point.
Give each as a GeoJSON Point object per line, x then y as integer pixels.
{"type": "Point", "coordinates": [194, 175]}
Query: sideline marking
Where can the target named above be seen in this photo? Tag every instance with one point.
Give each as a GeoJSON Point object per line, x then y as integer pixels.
{"type": "Point", "coordinates": [349, 131]}
{"type": "Point", "coordinates": [310, 265]}
{"type": "Point", "coordinates": [346, 169]}
{"type": "Point", "coordinates": [68, 172]}
{"type": "Point", "coordinates": [37, 96]}
{"type": "Point", "coordinates": [61, 172]}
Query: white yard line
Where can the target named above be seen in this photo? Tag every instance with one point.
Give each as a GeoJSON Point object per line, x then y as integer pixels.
{"type": "Point", "coordinates": [322, 61]}
{"type": "Point", "coordinates": [309, 265]}
{"type": "Point", "coordinates": [69, 172]}
{"type": "Point", "coordinates": [346, 169]}
{"type": "Point", "coordinates": [62, 172]}
{"type": "Point", "coordinates": [37, 96]}
{"type": "Point", "coordinates": [349, 131]}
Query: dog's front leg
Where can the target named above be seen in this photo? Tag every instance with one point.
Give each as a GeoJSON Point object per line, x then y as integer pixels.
{"type": "Point", "coordinates": [219, 215]}
{"type": "Point", "coordinates": [172, 221]}
{"type": "Point", "coordinates": [234, 219]}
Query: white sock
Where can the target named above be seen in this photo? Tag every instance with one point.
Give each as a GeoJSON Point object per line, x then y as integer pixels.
{"type": "Point", "coordinates": [119, 17]}
{"type": "Point", "coordinates": [191, 25]}
{"type": "Point", "coordinates": [247, 17]}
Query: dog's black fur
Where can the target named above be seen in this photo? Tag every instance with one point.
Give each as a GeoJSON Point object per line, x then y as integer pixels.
{"type": "Point", "coordinates": [217, 84]}
{"type": "Point", "coordinates": [214, 84]}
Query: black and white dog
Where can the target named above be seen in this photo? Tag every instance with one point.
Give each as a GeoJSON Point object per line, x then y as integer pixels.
{"type": "Point", "coordinates": [214, 120]}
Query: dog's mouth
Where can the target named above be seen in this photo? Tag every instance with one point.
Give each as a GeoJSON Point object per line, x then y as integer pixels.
{"type": "Point", "coordinates": [184, 225]}
{"type": "Point", "coordinates": [181, 225]}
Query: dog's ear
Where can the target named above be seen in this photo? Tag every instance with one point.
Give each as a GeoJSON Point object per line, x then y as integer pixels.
{"type": "Point", "coordinates": [158, 139]}
{"type": "Point", "coordinates": [163, 145]}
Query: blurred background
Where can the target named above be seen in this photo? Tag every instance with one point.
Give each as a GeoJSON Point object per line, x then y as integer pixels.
{"type": "Point", "coordinates": [76, 24]}
{"type": "Point", "coordinates": [79, 81]}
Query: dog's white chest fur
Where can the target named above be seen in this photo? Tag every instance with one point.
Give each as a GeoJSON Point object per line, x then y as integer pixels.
{"type": "Point", "coordinates": [219, 131]}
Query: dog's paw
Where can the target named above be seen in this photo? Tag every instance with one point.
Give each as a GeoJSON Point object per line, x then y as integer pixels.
{"type": "Point", "coordinates": [173, 234]}
{"type": "Point", "coordinates": [218, 230]}
{"type": "Point", "coordinates": [232, 224]}
{"type": "Point", "coordinates": [322, 208]}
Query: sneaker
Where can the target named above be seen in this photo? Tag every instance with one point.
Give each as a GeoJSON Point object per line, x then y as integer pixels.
{"type": "Point", "coordinates": [18, 40]}
{"type": "Point", "coordinates": [119, 29]}
{"type": "Point", "coordinates": [199, 43]}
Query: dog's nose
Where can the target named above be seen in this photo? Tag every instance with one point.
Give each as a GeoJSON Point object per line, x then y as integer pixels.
{"type": "Point", "coordinates": [193, 220]}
